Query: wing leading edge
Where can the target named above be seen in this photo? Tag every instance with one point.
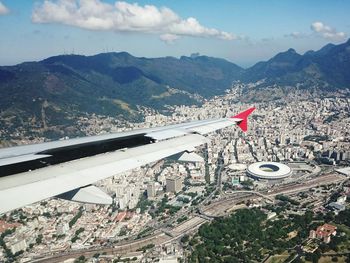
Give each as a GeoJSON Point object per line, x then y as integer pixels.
{"type": "Point", "coordinates": [18, 190]}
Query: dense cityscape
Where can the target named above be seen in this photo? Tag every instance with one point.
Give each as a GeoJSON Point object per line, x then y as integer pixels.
{"type": "Point", "coordinates": [174, 131]}
{"type": "Point", "coordinates": [163, 211]}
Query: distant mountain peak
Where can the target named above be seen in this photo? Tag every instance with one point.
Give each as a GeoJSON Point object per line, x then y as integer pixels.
{"type": "Point", "coordinates": [123, 53]}
{"type": "Point", "coordinates": [309, 53]}
{"type": "Point", "coordinates": [291, 50]}
{"type": "Point", "coordinates": [194, 55]}
{"type": "Point", "coordinates": [321, 52]}
{"type": "Point", "coordinates": [289, 56]}
{"type": "Point", "coordinates": [327, 67]}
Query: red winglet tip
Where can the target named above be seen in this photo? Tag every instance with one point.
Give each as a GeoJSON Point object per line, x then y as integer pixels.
{"type": "Point", "coordinates": [244, 116]}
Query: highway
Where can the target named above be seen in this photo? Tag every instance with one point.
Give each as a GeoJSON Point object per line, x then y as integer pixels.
{"type": "Point", "coordinates": [296, 187]}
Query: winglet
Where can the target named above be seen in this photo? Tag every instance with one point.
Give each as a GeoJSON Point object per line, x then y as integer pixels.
{"type": "Point", "coordinates": [243, 124]}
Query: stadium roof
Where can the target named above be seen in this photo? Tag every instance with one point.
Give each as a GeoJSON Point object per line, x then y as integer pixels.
{"type": "Point", "coordinates": [269, 170]}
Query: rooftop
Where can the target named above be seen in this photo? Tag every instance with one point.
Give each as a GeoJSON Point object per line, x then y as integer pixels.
{"type": "Point", "coordinates": [269, 170]}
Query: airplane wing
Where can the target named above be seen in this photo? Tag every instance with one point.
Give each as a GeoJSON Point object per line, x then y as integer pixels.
{"type": "Point", "coordinates": [68, 168]}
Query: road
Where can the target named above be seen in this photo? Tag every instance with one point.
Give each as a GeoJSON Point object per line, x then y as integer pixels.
{"type": "Point", "coordinates": [291, 188]}
{"type": "Point", "coordinates": [215, 209]}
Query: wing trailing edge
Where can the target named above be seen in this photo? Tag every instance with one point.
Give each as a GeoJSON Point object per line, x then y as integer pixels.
{"type": "Point", "coordinates": [111, 154]}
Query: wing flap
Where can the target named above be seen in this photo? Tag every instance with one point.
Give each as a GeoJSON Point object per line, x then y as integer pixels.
{"type": "Point", "coordinates": [166, 134]}
{"type": "Point", "coordinates": [50, 181]}
{"type": "Point", "coordinates": [89, 194]}
{"type": "Point", "coordinates": [22, 158]}
{"type": "Point", "coordinates": [188, 157]}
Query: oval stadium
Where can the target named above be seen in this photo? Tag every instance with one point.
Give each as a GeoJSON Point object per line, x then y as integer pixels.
{"type": "Point", "coordinates": [268, 171]}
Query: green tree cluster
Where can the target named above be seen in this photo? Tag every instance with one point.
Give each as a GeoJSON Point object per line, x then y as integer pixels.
{"type": "Point", "coordinates": [75, 218]}
{"type": "Point", "coordinates": [247, 236]}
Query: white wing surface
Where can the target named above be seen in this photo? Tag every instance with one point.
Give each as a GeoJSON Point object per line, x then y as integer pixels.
{"type": "Point", "coordinates": [32, 173]}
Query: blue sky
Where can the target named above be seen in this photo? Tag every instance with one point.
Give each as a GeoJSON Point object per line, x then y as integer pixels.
{"type": "Point", "coordinates": [242, 31]}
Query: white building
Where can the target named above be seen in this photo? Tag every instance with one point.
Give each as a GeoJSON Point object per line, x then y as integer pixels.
{"type": "Point", "coordinates": [62, 228]}
{"type": "Point", "coordinates": [18, 246]}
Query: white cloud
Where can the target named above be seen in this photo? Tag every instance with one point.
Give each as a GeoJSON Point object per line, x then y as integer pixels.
{"type": "Point", "coordinates": [296, 35]}
{"type": "Point", "coordinates": [123, 17]}
{"type": "Point", "coordinates": [327, 32]}
{"type": "Point", "coordinates": [3, 9]}
{"type": "Point", "coordinates": [191, 27]}
{"type": "Point", "coordinates": [169, 38]}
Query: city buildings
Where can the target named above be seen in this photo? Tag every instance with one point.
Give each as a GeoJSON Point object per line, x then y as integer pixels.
{"type": "Point", "coordinates": [324, 232]}
{"type": "Point", "coordinates": [173, 184]}
{"type": "Point", "coordinates": [283, 131]}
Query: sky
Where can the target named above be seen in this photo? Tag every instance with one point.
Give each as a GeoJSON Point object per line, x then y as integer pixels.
{"type": "Point", "coordinates": [241, 31]}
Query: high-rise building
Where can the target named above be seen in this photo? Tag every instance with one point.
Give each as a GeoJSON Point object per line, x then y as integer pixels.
{"type": "Point", "coordinates": [123, 202]}
{"type": "Point", "coordinates": [282, 139]}
{"type": "Point", "coordinates": [173, 184]}
{"type": "Point", "coordinates": [120, 190]}
{"type": "Point", "coordinates": [151, 190]}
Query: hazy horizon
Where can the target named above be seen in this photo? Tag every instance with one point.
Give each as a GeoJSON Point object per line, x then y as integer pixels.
{"type": "Point", "coordinates": [73, 52]}
{"type": "Point", "coordinates": [243, 32]}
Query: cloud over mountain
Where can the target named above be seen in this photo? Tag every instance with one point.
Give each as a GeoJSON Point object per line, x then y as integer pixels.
{"type": "Point", "coordinates": [123, 17]}
{"type": "Point", "coordinates": [3, 9]}
{"type": "Point", "coordinates": [327, 32]}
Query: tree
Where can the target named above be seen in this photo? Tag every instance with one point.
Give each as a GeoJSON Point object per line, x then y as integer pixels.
{"type": "Point", "coordinates": [297, 260]}
{"type": "Point", "coordinates": [343, 217]}
{"type": "Point", "coordinates": [39, 239]}
{"type": "Point", "coordinates": [313, 257]}
{"type": "Point", "coordinates": [185, 239]}
{"type": "Point", "coordinates": [47, 214]}
{"type": "Point", "coordinates": [76, 217]}
{"type": "Point", "coordinates": [80, 259]}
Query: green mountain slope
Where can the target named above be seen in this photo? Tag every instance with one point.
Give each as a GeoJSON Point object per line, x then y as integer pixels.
{"type": "Point", "coordinates": [53, 92]}
{"type": "Point", "coordinates": [113, 84]}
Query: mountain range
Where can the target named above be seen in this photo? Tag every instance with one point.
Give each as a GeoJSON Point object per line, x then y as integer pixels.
{"type": "Point", "coordinates": [328, 67]}
{"type": "Point", "coordinates": [117, 84]}
{"type": "Point", "coordinates": [111, 83]}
